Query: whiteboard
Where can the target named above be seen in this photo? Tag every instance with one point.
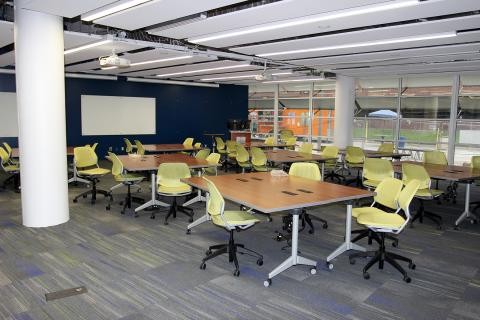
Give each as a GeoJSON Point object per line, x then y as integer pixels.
{"type": "Point", "coordinates": [113, 115]}
{"type": "Point", "coordinates": [8, 114]}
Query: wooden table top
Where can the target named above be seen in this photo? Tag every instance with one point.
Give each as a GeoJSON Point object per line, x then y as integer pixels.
{"type": "Point", "coordinates": [168, 147]}
{"type": "Point", "coordinates": [446, 172]}
{"type": "Point", "coordinates": [289, 156]}
{"type": "Point", "coordinates": [133, 162]}
{"type": "Point", "coordinates": [16, 152]}
{"type": "Point", "coordinates": [263, 145]}
{"type": "Point", "coordinates": [378, 154]}
{"type": "Point", "coordinates": [267, 193]}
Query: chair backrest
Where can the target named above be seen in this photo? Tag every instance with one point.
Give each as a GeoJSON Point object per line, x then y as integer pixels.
{"type": "Point", "coordinates": [434, 157]}
{"type": "Point", "coordinates": [170, 173]}
{"type": "Point", "coordinates": [8, 148]}
{"type": "Point", "coordinates": [231, 146]}
{"type": "Point", "coordinates": [140, 148]}
{"type": "Point", "coordinates": [354, 155]}
{"type": "Point", "coordinates": [128, 145]}
{"type": "Point", "coordinates": [219, 143]}
{"type": "Point", "coordinates": [117, 165]}
{"type": "Point", "coordinates": [215, 204]}
{"type": "Point", "coordinates": [202, 154]}
{"type": "Point", "coordinates": [475, 162]}
{"type": "Point", "coordinates": [377, 169]}
{"type": "Point", "coordinates": [258, 157]}
{"type": "Point", "coordinates": [269, 141]}
{"type": "Point", "coordinates": [188, 142]}
{"type": "Point", "coordinates": [285, 134]}
{"type": "Point", "coordinates": [242, 154]}
{"type": "Point", "coordinates": [306, 147]}
{"type": "Point", "coordinates": [330, 151]}
{"type": "Point", "coordinates": [386, 147]}
{"type": "Point", "coordinates": [387, 192]}
{"type": "Point", "coordinates": [94, 146]}
{"type": "Point", "coordinates": [412, 171]}
{"type": "Point", "coordinates": [406, 197]}
{"type": "Point", "coordinates": [306, 170]}
{"type": "Point", "coordinates": [85, 157]}
{"type": "Point", "coordinates": [291, 141]}
{"type": "Point", "coordinates": [197, 145]}
{"type": "Point", "coordinates": [3, 156]}
{"type": "Point", "coordinates": [213, 158]}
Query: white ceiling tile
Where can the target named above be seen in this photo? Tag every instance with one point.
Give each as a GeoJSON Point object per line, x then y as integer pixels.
{"type": "Point", "coordinates": [158, 11]}
{"type": "Point", "coordinates": [64, 8]}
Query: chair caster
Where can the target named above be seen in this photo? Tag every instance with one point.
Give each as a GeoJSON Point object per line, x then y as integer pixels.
{"type": "Point", "coordinates": [92, 202]}
{"type": "Point", "coordinates": [203, 266]}
{"type": "Point", "coordinates": [325, 226]}
{"type": "Point", "coordinates": [267, 283]}
{"type": "Point", "coordinates": [407, 279]}
{"type": "Point", "coordinates": [236, 273]}
{"type": "Point", "coordinates": [188, 231]}
{"type": "Point", "coordinates": [269, 219]}
{"type": "Point", "coordinates": [75, 200]}
{"type": "Point", "coordinates": [352, 261]}
{"type": "Point", "coordinates": [313, 270]}
{"type": "Point", "coordinates": [260, 262]}
{"type": "Point", "coordinates": [84, 196]}
{"type": "Point", "coordinates": [311, 231]}
{"type": "Point", "coordinates": [329, 265]}
{"type": "Point", "coordinates": [107, 208]}
{"type": "Point", "coordinates": [152, 217]}
{"type": "Point", "coordinates": [191, 219]}
{"type": "Point", "coordinates": [366, 275]}
{"type": "Point", "coordinates": [439, 227]}
{"type": "Point", "coordinates": [412, 266]}
{"type": "Point", "coordinates": [395, 244]}
{"type": "Point", "coordinates": [208, 252]}
{"type": "Point", "coordinates": [165, 223]}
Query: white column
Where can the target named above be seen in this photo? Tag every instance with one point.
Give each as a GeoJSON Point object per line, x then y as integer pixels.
{"type": "Point", "coordinates": [275, 112]}
{"type": "Point", "coordinates": [344, 103]}
{"type": "Point", "coordinates": [41, 117]}
{"type": "Point", "coordinates": [452, 127]}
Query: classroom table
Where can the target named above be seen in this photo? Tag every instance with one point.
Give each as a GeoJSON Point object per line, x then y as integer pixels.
{"type": "Point", "coordinates": [378, 154]}
{"type": "Point", "coordinates": [168, 147]}
{"type": "Point", "coordinates": [263, 145]}
{"type": "Point", "coordinates": [290, 156]}
{"type": "Point", "coordinates": [281, 193]}
{"type": "Point", "coordinates": [134, 162]}
{"type": "Point", "coordinates": [461, 174]}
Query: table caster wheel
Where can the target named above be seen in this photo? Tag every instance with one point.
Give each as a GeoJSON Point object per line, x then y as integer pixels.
{"type": "Point", "coordinates": [407, 279]}
{"type": "Point", "coordinates": [412, 266]}
{"type": "Point", "coordinates": [329, 266]}
{"type": "Point", "coordinates": [366, 275]}
{"type": "Point", "coordinates": [236, 273]}
{"type": "Point", "coordinates": [313, 270]}
{"type": "Point", "coordinates": [188, 231]}
{"type": "Point", "coordinates": [203, 266]}
{"type": "Point", "coordinates": [267, 283]}
{"type": "Point", "coordinates": [260, 262]}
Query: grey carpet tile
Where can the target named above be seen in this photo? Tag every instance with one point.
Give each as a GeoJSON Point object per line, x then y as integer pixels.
{"type": "Point", "coordinates": [139, 268]}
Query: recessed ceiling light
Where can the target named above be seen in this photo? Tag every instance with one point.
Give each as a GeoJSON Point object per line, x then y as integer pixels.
{"type": "Point", "coordinates": [111, 9]}
{"type": "Point", "coordinates": [87, 46]}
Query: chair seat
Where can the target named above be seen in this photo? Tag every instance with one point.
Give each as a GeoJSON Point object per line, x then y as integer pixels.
{"type": "Point", "coordinates": [377, 218]}
{"type": "Point", "coordinates": [178, 189]}
{"type": "Point", "coordinates": [371, 183]}
{"type": "Point", "coordinates": [93, 172]}
{"type": "Point", "coordinates": [235, 218]}
{"type": "Point", "coordinates": [11, 168]}
{"type": "Point", "coordinates": [129, 177]}
{"type": "Point", "coordinates": [261, 168]}
{"type": "Point", "coordinates": [358, 211]}
{"type": "Point", "coordinates": [354, 165]}
{"type": "Point", "coordinates": [428, 193]}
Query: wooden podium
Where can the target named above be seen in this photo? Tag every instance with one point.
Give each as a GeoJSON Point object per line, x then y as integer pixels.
{"type": "Point", "coordinates": [240, 136]}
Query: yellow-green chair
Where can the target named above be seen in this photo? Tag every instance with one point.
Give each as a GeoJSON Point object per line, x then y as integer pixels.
{"type": "Point", "coordinates": [439, 157]}
{"type": "Point", "coordinates": [386, 147]}
{"type": "Point", "coordinates": [243, 158]}
{"type": "Point", "coordinates": [231, 221]}
{"type": "Point", "coordinates": [375, 170]}
{"type": "Point", "coordinates": [202, 154]}
{"type": "Point", "coordinates": [222, 150]}
{"type": "Point", "coordinates": [188, 142]}
{"type": "Point", "coordinates": [11, 168]}
{"type": "Point", "coordinates": [197, 145]}
{"type": "Point", "coordinates": [310, 171]}
{"type": "Point", "coordinates": [170, 185]}
{"type": "Point", "coordinates": [269, 141]}
{"type": "Point", "coordinates": [425, 192]}
{"type": "Point", "coordinates": [259, 160]}
{"type": "Point", "coordinates": [475, 164]}
{"type": "Point", "coordinates": [213, 158]}
{"type": "Point", "coordinates": [94, 146]}
{"type": "Point", "coordinates": [286, 134]}
{"type": "Point", "coordinates": [306, 147]}
{"type": "Point", "coordinates": [86, 163]}
{"type": "Point", "coordinates": [331, 166]}
{"type": "Point", "coordinates": [230, 159]}
{"type": "Point", "coordinates": [140, 148]}
{"type": "Point", "coordinates": [128, 146]}
{"type": "Point", "coordinates": [126, 179]}
{"type": "Point", "coordinates": [383, 223]}
{"type": "Point", "coordinates": [354, 158]}
{"type": "Point", "coordinates": [8, 148]}
{"type": "Point", "coordinates": [386, 195]}
{"type": "Point", "coordinates": [290, 143]}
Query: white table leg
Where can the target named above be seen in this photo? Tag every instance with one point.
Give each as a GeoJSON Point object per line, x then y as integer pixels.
{"type": "Point", "coordinates": [294, 258]}
{"type": "Point", "coordinates": [198, 198]}
{"type": "Point", "coordinates": [348, 244]}
{"type": "Point", "coordinates": [153, 201]}
{"type": "Point", "coordinates": [466, 213]}
{"type": "Point", "coordinates": [323, 170]}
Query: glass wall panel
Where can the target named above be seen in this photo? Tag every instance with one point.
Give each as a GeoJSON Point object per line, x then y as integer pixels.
{"type": "Point", "coordinates": [293, 113]}
{"type": "Point", "coordinates": [467, 142]}
{"type": "Point", "coordinates": [260, 107]}
{"type": "Point", "coordinates": [375, 114]}
{"type": "Point", "coordinates": [425, 111]}
{"type": "Point", "coordinates": [323, 112]}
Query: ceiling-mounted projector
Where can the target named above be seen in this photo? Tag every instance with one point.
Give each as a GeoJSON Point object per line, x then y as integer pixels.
{"type": "Point", "coordinates": [262, 77]}
{"type": "Point", "coordinates": [114, 61]}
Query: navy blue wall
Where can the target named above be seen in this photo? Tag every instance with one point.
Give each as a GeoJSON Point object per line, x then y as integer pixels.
{"type": "Point", "coordinates": [181, 111]}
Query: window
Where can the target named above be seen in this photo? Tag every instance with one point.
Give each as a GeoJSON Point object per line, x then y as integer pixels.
{"type": "Point", "coordinates": [323, 112]}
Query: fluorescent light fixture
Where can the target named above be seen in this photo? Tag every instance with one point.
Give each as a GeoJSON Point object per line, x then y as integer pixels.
{"type": "Point", "coordinates": [111, 9]}
{"type": "Point", "coordinates": [228, 78]}
{"type": "Point", "coordinates": [160, 60]}
{"type": "Point", "coordinates": [182, 83]}
{"type": "Point", "coordinates": [308, 20]}
{"type": "Point", "coordinates": [295, 80]}
{"type": "Point", "coordinates": [365, 44]}
{"type": "Point", "coordinates": [281, 73]}
{"type": "Point", "coordinates": [88, 46]}
{"type": "Point", "coordinates": [203, 70]}
{"type": "Point", "coordinates": [8, 71]}
{"type": "Point", "coordinates": [109, 68]}
{"type": "Point", "coordinates": [89, 76]}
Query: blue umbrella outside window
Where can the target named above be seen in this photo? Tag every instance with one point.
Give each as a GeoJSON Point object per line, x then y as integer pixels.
{"type": "Point", "coordinates": [384, 113]}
